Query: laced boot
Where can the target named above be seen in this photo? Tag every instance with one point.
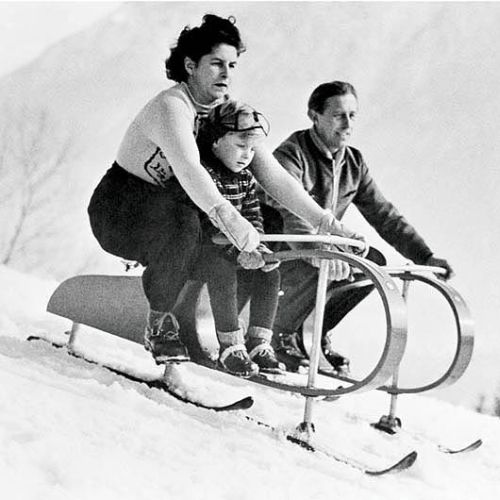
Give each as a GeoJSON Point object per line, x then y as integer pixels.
{"type": "Point", "coordinates": [233, 355]}
{"type": "Point", "coordinates": [338, 362]}
{"type": "Point", "coordinates": [261, 351]}
{"type": "Point", "coordinates": [162, 338]}
{"type": "Point", "coordinates": [289, 352]}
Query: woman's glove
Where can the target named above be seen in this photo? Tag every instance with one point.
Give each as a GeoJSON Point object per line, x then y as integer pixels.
{"type": "Point", "coordinates": [330, 225]}
{"type": "Point", "coordinates": [241, 233]}
{"type": "Point", "coordinates": [338, 270]}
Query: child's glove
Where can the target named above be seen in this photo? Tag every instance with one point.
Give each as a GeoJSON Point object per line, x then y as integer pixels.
{"type": "Point", "coordinates": [269, 266]}
{"type": "Point", "coordinates": [251, 260]}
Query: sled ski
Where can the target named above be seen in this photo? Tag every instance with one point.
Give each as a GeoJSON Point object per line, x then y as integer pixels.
{"type": "Point", "coordinates": [404, 463]}
{"type": "Point", "coordinates": [474, 445]}
{"type": "Point", "coordinates": [244, 404]}
{"type": "Point", "coordinates": [241, 404]}
{"type": "Point", "coordinates": [400, 465]}
{"type": "Point", "coordinates": [466, 449]}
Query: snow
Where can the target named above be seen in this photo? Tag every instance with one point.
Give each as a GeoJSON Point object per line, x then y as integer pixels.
{"type": "Point", "coordinates": [69, 429]}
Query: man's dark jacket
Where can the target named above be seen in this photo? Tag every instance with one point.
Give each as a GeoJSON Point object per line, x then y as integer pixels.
{"type": "Point", "coordinates": [305, 158]}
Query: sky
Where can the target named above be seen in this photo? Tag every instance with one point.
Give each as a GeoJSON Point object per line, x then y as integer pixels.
{"type": "Point", "coordinates": [72, 430]}
{"type": "Point", "coordinates": [46, 23]}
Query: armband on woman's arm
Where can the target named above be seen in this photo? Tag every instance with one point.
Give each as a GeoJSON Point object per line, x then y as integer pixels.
{"type": "Point", "coordinates": [330, 225]}
{"type": "Point", "coordinates": [169, 125]}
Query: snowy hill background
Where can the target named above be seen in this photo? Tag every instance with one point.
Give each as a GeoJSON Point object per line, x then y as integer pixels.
{"type": "Point", "coordinates": [426, 74]}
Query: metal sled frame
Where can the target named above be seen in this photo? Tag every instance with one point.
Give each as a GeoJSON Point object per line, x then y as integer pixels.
{"type": "Point", "coordinates": [81, 301]}
{"type": "Point", "coordinates": [395, 316]}
{"type": "Point", "coordinates": [463, 350]}
{"type": "Point", "coordinates": [463, 322]}
{"type": "Point", "coordinates": [390, 423]}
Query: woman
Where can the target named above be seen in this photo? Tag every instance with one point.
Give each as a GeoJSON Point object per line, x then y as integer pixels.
{"type": "Point", "coordinates": [132, 213]}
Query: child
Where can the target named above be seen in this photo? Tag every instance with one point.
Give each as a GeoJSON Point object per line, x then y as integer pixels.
{"type": "Point", "coordinates": [226, 141]}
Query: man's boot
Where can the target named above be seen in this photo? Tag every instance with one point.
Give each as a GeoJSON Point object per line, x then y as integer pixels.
{"type": "Point", "coordinates": [338, 361]}
{"type": "Point", "coordinates": [288, 351]}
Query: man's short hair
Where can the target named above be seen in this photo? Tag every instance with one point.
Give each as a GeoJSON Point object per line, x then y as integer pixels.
{"type": "Point", "coordinates": [326, 90]}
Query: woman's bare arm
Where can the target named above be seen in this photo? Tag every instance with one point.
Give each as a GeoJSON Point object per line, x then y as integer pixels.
{"type": "Point", "coordinates": [279, 184]}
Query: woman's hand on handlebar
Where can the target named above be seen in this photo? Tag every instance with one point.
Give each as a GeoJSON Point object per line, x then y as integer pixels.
{"type": "Point", "coordinates": [330, 225]}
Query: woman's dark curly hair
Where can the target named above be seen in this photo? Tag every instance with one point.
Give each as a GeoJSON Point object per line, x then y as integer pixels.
{"type": "Point", "coordinates": [200, 40]}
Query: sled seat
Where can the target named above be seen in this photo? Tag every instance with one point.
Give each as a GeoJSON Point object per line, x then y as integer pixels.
{"type": "Point", "coordinates": [114, 304]}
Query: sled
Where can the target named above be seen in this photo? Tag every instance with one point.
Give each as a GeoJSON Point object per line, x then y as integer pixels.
{"type": "Point", "coordinates": [117, 305]}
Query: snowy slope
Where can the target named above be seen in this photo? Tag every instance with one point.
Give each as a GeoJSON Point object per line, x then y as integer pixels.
{"type": "Point", "coordinates": [71, 430]}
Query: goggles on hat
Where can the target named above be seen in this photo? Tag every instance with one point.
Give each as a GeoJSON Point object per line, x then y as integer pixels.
{"type": "Point", "coordinates": [242, 121]}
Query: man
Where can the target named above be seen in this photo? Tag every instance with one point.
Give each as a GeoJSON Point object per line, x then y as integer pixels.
{"type": "Point", "coordinates": [335, 175]}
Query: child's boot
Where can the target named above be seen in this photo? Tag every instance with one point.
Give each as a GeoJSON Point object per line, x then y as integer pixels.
{"type": "Point", "coordinates": [261, 352]}
{"type": "Point", "coordinates": [233, 354]}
